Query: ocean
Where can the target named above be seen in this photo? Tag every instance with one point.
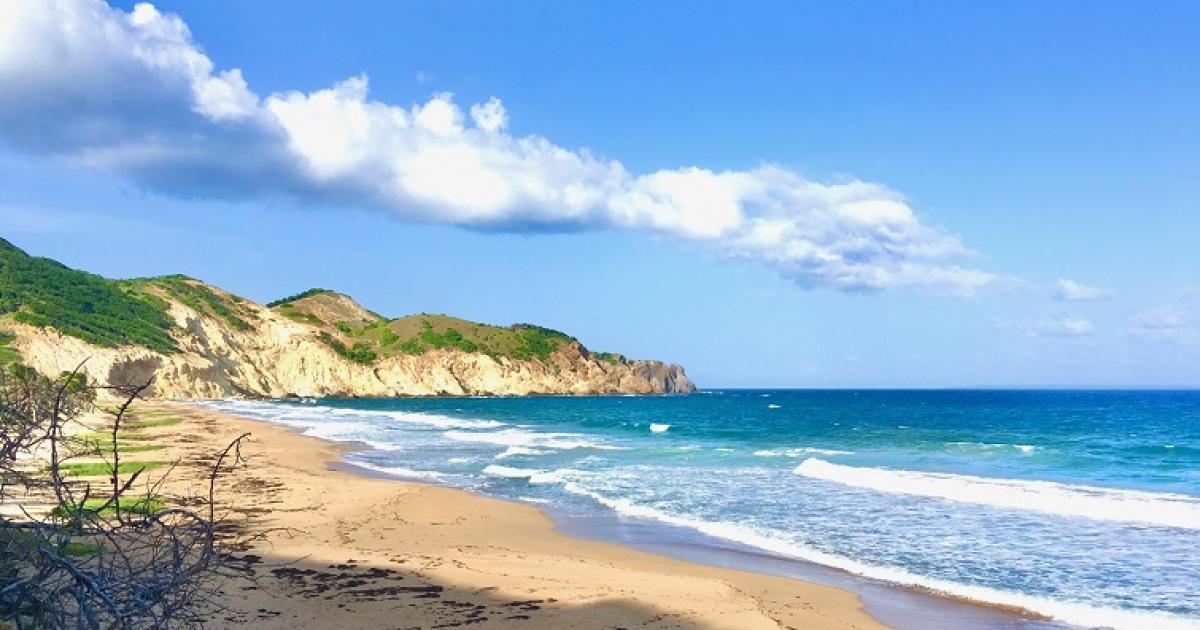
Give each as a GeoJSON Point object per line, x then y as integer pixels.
{"type": "Point", "coordinates": [1080, 505]}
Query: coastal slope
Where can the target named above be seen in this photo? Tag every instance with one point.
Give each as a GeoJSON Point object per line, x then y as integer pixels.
{"type": "Point", "coordinates": [200, 341]}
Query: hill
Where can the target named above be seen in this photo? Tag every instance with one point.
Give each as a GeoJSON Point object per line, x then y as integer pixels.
{"type": "Point", "coordinates": [197, 340]}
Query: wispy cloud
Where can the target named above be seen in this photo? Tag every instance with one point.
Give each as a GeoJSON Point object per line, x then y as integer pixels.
{"type": "Point", "coordinates": [1058, 327]}
{"type": "Point", "coordinates": [131, 94]}
{"type": "Point", "coordinates": [1072, 291]}
{"type": "Point", "coordinates": [1175, 321]}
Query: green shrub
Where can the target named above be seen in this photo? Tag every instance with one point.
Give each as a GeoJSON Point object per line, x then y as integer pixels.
{"type": "Point", "coordinates": [7, 354]}
{"type": "Point", "coordinates": [387, 337]}
{"type": "Point", "coordinates": [359, 352]}
{"type": "Point", "coordinates": [289, 311]}
{"type": "Point", "coordinates": [608, 357]}
{"type": "Point", "coordinates": [197, 297]}
{"type": "Point", "coordinates": [298, 296]}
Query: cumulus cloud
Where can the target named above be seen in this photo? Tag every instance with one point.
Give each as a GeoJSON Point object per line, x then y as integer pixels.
{"type": "Point", "coordinates": [1072, 291]}
{"type": "Point", "coordinates": [1058, 327]}
{"type": "Point", "coordinates": [131, 93]}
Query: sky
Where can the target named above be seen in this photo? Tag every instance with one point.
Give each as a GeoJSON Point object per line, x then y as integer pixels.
{"type": "Point", "coordinates": [853, 194]}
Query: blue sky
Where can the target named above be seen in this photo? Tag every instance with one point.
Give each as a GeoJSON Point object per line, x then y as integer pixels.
{"type": "Point", "coordinates": [1011, 147]}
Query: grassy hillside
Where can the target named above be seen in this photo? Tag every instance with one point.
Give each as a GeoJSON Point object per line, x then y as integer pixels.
{"type": "Point", "coordinates": [196, 295]}
{"type": "Point", "coordinates": [42, 292]}
{"type": "Point", "coordinates": [363, 336]}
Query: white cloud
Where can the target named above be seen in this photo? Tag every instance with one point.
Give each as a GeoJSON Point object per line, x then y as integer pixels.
{"type": "Point", "coordinates": [1176, 321]}
{"type": "Point", "coordinates": [132, 94]}
{"type": "Point", "coordinates": [1069, 290]}
{"type": "Point", "coordinates": [1058, 327]}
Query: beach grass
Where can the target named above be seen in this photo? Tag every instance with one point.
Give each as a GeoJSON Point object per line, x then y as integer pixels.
{"type": "Point", "coordinates": [103, 469]}
{"type": "Point", "coordinates": [151, 422]}
{"type": "Point", "coordinates": [102, 442]}
{"type": "Point", "coordinates": [97, 507]}
{"type": "Point", "coordinates": [79, 549]}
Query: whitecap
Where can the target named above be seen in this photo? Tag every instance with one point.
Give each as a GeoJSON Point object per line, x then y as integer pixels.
{"type": "Point", "coordinates": [425, 419]}
{"type": "Point", "coordinates": [400, 471]}
{"type": "Point", "coordinates": [529, 439]}
{"type": "Point", "coordinates": [1093, 502]}
{"type": "Point", "coordinates": [493, 470]}
{"type": "Point", "coordinates": [800, 452]}
{"type": "Point", "coordinates": [1069, 612]}
{"type": "Point", "coordinates": [514, 451]}
{"type": "Point", "coordinates": [534, 476]}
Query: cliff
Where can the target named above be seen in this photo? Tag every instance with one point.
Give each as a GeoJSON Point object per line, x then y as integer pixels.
{"type": "Point", "coordinates": [198, 341]}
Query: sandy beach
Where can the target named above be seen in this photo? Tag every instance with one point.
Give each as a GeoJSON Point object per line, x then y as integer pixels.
{"type": "Point", "coordinates": [322, 548]}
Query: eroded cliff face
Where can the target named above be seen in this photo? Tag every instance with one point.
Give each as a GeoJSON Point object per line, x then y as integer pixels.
{"type": "Point", "coordinates": [280, 357]}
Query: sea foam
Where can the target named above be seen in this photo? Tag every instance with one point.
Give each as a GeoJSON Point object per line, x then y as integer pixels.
{"type": "Point", "coordinates": [534, 476]}
{"type": "Point", "coordinates": [1093, 502]}
{"type": "Point", "coordinates": [400, 471]}
{"type": "Point", "coordinates": [528, 439]}
{"type": "Point", "coordinates": [1070, 612]}
{"type": "Point", "coordinates": [800, 452]}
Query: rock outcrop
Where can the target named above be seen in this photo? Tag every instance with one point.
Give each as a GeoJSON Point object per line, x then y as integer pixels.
{"type": "Point", "coordinates": [279, 356]}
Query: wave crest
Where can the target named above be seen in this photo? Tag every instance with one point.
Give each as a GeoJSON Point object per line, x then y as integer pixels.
{"type": "Point", "coordinates": [1093, 502]}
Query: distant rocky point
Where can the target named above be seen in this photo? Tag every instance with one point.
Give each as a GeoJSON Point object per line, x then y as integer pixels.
{"type": "Point", "coordinates": [199, 341]}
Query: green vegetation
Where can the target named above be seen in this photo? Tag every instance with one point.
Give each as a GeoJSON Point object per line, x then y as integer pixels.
{"type": "Point", "coordinates": [197, 296]}
{"type": "Point", "coordinates": [418, 334]}
{"type": "Point", "coordinates": [152, 413]}
{"type": "Point", "coordinates": [387, 337]}
{"type": "Point", "coordinates": [7, 354]}
{"type": "Point", "coordinates": [611, 358]}
{"type": "Point", "coordinates": [537, 341]}
{"type": "Point", "coordinates": [145, 505]}
{"type": "Point", "coordinates": [290, 311]}
{"type": "Point", "coordinates": [100, 442]}
{"type": "Point", "coordinates": [449, 338]}
{"type": "Point", "coordinates": [78, 549]}
{"type": "Point", "coordinates": [104, 469]}
{"type": "Point", "coordinates": [112, 313]}
{"type": "Point", "coordinates": [105, 437]}
{"type": "Point", "coordinates": [41, 292]}
{"type": "Point", "coordinates": [359, 352]}
{"type": "Point", "coordinates": [139, 424]}
{"type": "Point", "coordinates": [298, 296]}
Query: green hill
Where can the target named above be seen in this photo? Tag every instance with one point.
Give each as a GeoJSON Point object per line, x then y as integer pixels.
{"type": "Point", "coordinates": [42, 292]}
{"type": "Point", "coordinates": [363, 336]}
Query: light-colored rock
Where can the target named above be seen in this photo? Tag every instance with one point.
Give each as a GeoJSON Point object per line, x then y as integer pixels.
{"type": "Point", "coordinates": [279, 357]}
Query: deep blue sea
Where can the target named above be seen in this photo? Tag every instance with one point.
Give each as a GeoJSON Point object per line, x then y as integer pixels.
{"type": "Point", "coordinates": [1082, 505]}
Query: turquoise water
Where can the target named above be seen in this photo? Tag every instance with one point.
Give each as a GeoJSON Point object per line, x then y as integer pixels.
{"type": "Point", "coordinates": [1083, 505]}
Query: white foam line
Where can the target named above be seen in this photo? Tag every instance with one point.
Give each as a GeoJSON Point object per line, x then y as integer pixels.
{"type": "Point", "coordinates": [400, 471]}
{"type": "Point", "coordinates": [1069, 612]}
{"type": "Point", "coordinates": [1104, 504]}
{"type": "Point", "coordinates": [529, 439]}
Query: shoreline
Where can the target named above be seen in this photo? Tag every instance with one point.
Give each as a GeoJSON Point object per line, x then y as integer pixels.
{"type": "Point", "coordinates": [894, 605]}
{"type": "Point", "coordinates": [897, 606]}
{"type": "Point", "coordinates": [318, 547]}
